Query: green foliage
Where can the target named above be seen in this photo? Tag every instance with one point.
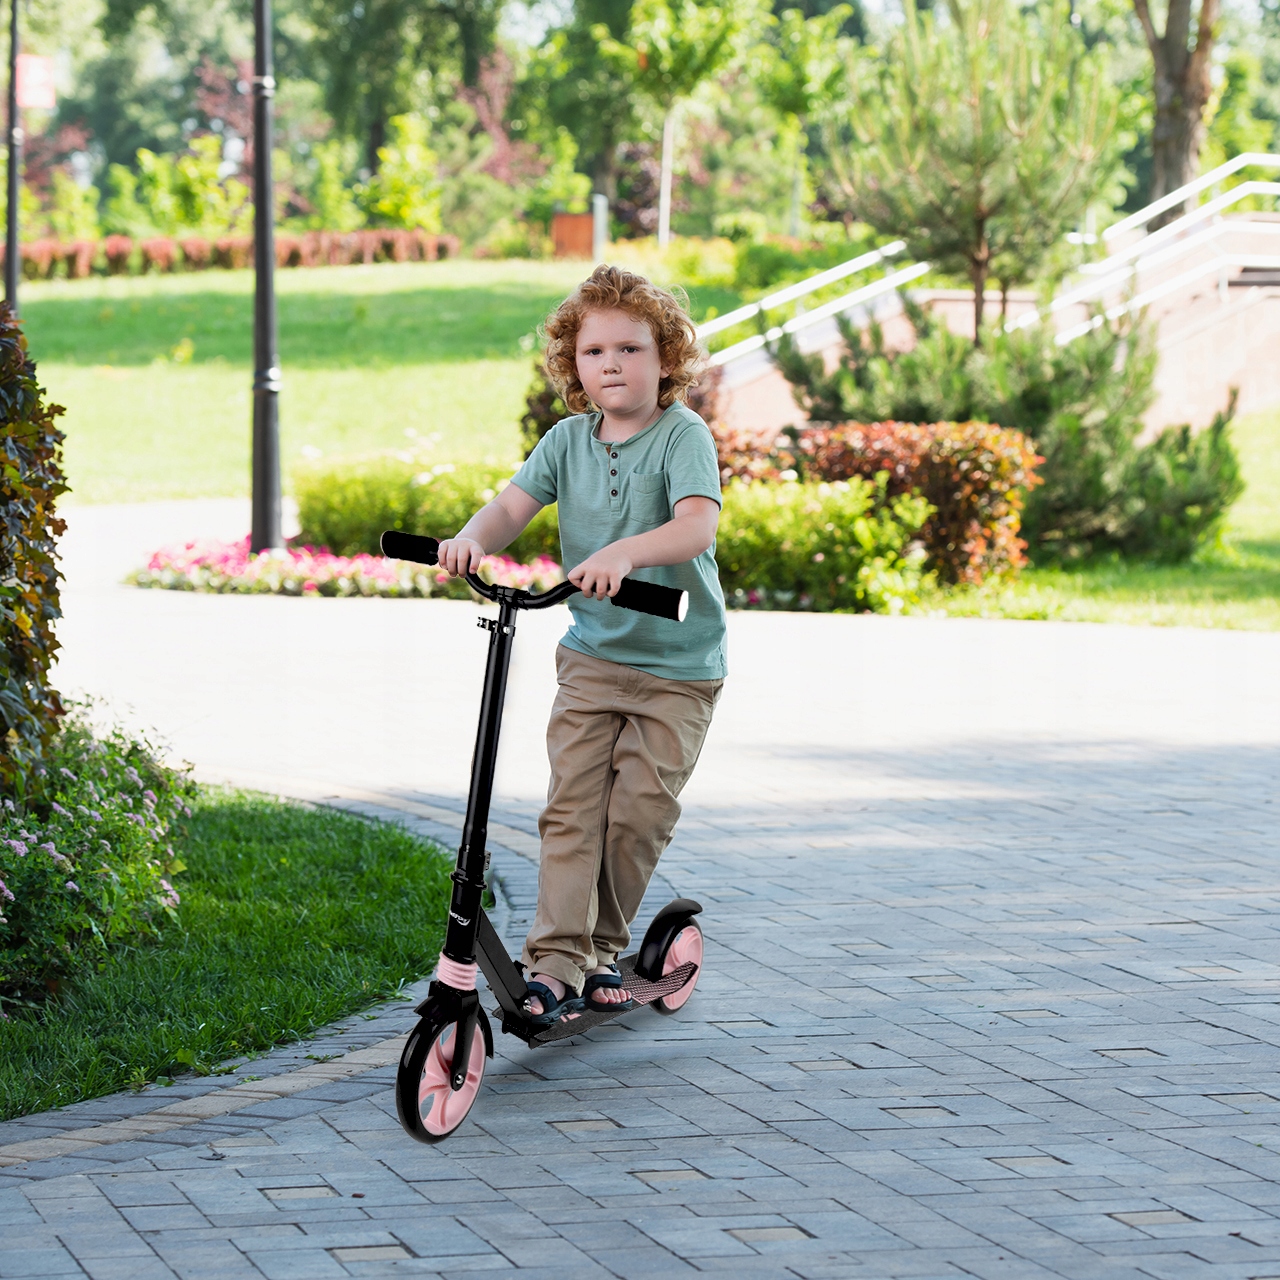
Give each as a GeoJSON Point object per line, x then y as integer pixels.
{"type": "Point", "coordinates": [31, 481]}
{"type": "Point", "coordinates": [73, 209]}
{"type": "Point", "coordinates": [333, 202]}
{"type": "Point", "coordinates": [843, 546]}
{"type": "Point", "coordinates": [543, 408]}
{"type": "Point", "coordinates": [347, 508]}
{"type": "Point", "coordinates": [84, 858]}
{"type": "Point", "coordinates": [974, 475]}
{"type": "Point", "coordinates": [560, 188]}
{"type": "Point", "coordinates": [177, 195]}
{"type": "Point", "coordinates": [979, 140]}
{"type": "Point", "coordinates": [405, 191]}
{"type": "Point", "coordinates": [291, 917]}
{"type": "Point", "coordinates": [1080, 404]}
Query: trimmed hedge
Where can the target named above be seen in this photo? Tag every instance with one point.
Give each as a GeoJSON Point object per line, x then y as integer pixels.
{"type": "Point", "coordinates": [847, 545]}
{"type": "Point", "coordinates": [31, 481]}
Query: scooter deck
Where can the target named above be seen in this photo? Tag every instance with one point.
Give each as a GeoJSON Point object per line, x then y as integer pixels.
{"type": "Point", "coordinates": [642, 991]}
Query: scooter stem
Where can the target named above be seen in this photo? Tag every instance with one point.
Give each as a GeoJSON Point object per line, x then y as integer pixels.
{"type": "Point", "coordinates": [469, 874]}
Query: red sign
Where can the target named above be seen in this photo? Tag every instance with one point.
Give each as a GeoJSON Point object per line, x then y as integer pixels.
{"type": "Point", "coordinates": [35, 82]}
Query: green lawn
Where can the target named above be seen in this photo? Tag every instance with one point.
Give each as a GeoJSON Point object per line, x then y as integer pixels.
{"type": "Point", "coordinates": [155, 372]}
{"type": "Point", "coordinates": [1236, 584]}
{"type": "Point", "coordinates": [291, 917]}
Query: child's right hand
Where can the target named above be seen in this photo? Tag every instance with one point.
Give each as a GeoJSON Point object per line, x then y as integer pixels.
{"type": "Point", "coordinates": [460, 555]}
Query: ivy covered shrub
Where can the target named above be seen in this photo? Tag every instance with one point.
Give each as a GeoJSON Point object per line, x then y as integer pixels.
{"type": "Point", "coordinates": [86, 857]}
{"type": "Point", "coordinates": [31, 481]}
{"type": "Point", "coordinates": [345, 509]}
{"type": "Point", "coordinates": [848, 545]}
{"type": "Point", "coordinates": [1080, 404]}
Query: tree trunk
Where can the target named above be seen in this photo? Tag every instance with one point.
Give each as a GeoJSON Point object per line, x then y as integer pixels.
{"type": "Point", "coordinates": [664, 185]}
{"type": "Point", "coordinates": [377, 140]}
{"type": "Point", "coordinates": [979, 269]}
{"type": "Point", "coordinates": [1182, 88]}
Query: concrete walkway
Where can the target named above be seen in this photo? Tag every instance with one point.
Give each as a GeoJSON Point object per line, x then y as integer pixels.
{"type": "Point", "coordinates": [991, 987]}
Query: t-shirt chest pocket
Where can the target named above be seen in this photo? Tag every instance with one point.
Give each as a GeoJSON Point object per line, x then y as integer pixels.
{"type": "Point", "coordinates": [646, 497]}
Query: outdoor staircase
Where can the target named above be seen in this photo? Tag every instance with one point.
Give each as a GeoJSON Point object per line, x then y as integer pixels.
{"type": "Point", "coordinates": [1209, 281]}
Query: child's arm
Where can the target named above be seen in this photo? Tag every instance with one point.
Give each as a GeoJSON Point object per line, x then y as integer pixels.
{"type": "Point", "coordinates": [687, 536]}
{"type": "Point", "coordinates": [496, 525]}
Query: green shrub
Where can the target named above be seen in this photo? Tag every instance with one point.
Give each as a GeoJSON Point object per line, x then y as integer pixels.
{"type": "Point", "coordinates": [764, 263]}
{"type": "Point", "coordinates": [973, 475]}
{"type": "Point", "coordinates": [347, 508]}
{"type": "Point", "coordinates": [1081, 404]}
{"type": "Point", "coordinates": [847, 545]}
{"type": "Point", "coordinates": [31, 481]}
{"type": "Point", "coordinates": [85, 856]}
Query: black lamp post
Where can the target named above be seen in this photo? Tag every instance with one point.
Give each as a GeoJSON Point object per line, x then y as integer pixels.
{"type": "Point", "coordinates": [11, 250]}
{"type": "Point", "coordinates": [266, 372]}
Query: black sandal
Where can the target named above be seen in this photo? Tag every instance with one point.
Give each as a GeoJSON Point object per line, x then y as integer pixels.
{"type": "Point", "coordinates": [553, 1007]}
{"type": "Point", "coordinates": [611, 981]}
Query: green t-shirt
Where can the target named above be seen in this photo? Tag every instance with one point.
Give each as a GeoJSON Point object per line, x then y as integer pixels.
{"type": "Point", "coordinates": [611, 491]}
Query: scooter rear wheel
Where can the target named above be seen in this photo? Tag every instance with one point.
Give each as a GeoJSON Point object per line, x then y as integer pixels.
{"type": "Point", "coordinates": [685, 946]}
{"type": "Point", "coordinates": [430, 1109]}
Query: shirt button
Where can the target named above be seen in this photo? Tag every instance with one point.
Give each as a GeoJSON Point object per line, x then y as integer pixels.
{"type": "Point", "coordinates": [614, 472]}
{"type": "Point", "coordinates": [613, 455]}
{"type": "Point", "coordinates": [613, 493]}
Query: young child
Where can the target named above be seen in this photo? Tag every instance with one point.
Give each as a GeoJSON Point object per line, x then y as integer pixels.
{"type": "Point", "coordinates": [636, 480]}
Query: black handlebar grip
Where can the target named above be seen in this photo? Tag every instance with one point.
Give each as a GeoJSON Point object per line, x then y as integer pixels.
{"type": "Point", "coordinates": [653, 598]}
{"type": "Point", "coordinates": [410, 546]}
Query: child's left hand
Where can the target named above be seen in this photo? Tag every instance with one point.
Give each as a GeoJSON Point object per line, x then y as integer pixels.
{"type": "Point", "coordinates": [600, 575]}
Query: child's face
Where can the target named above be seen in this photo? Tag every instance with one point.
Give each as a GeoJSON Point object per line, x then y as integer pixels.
{"type": "Point", "coordinates": [618, 363]}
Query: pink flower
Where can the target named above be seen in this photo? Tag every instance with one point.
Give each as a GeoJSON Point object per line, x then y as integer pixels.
{"type": "Point", "coordinates": [4, 892]}
{"type": "Point", "coordinates": [57, 808]}
{"type": "Point", "coordinates": [73, 887]}
{"type": "Point", "coordinates": [18, 847]}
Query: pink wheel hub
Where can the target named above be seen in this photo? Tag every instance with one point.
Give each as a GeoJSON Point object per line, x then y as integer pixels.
{"type": "Point", "coordinates": [686, 946]}
{"type": "Point", "coordinates": [441, 1107]}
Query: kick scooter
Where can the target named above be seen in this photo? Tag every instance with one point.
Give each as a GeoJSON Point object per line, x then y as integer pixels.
{"type": "Point", "coordinates": [443, 1062]}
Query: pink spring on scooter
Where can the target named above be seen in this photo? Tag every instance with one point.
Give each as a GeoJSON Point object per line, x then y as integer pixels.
{"type": "Point", "coordinates": [462, 977]}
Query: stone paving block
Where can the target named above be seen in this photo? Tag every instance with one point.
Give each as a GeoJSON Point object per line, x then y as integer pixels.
{"type": "Point", "coordinates": [300, 1264]}
{"type": "Point", "coordinates": [127, 1267]}
{"type": "Point", "coordinates": [18, 1262]}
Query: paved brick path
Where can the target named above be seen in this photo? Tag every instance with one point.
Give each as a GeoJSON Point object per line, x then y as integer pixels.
{"type": "Point", "coordinates": [991, 987]}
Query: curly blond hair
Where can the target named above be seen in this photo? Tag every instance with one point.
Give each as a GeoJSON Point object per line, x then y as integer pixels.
{"type": "Point", "coordinates": [613, 289]}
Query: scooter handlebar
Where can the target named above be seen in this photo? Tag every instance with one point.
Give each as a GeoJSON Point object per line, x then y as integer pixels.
{"type": "Point", "coordinates": [642, 597]}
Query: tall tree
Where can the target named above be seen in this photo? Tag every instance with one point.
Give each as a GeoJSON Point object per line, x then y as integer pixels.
{"type": "Point", "coordinates": [569, 83]}
{"type": "Point", "coordinates": [1182, 90]}
{"type": "Point", "coordinates": [672, 46]}
{"type": "Point", "coordinates": [979, 140]}
{"type": "Point", "coordinates": [798, 74]}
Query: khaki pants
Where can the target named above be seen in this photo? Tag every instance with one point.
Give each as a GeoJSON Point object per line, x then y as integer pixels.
{"type": "Point", "coordinates": [622, 744]}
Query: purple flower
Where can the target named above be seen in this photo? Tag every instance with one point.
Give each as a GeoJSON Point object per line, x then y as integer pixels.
{"type": "Point", "coordinates": [49, 849]}
{"type": "Point", "coordinates": [132, 774]}
{"type": "Point", "coordinates": [58, 858]}
{"type": "Point", "coordinates": [66, 773]}
{"type": "Point", "coordinates": [149, 797]}
{"type": "Point", "coordinates": [57, 808]}
{"type": "Point", "coordinates": [4, 892]}
{"type": "Point", "coordinates": [71, 884]}
{"type": "Point", "coordinates": [18, 847]}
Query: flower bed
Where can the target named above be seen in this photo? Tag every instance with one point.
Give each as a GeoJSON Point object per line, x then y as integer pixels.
{"type": "Point", "coordinates": [211, 565]}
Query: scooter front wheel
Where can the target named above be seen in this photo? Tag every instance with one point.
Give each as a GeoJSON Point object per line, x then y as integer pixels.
{"type": "Point", "coordinates": [686, 946]}
{"type": "Point", "coordinates": [430, 1108]}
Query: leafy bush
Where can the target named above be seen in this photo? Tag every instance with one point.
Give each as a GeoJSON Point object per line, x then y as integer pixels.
{"type": "Point", "coordinates": [347, 508]}
{"type": "Point", "coordinates": [1081, 405]}
{"type": "Point", "coordinates": [972, 474]}
{"type": "Point", "coordinates": [31, 481]}
{"type": "Point", "coordinates": [764, 263]}
{"type": "Point", "coordinates": [84, 857]}
{"type": "Point", "coordinates": [847, 545]}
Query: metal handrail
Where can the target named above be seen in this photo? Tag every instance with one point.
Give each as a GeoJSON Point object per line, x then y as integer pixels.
{"type": "Point", "coordinates": [799, 290]}
{"type": "Point", "coordinates": [1245, 160]}
{"type": "Point", "coordinates": [834, 307]}
{"type": "Point", "coordinates": [1095, 288]}
{"type": "Point", "coordinates": [1140, 300]}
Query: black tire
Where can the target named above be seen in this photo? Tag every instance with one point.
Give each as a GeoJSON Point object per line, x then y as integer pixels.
{"type": "Point", "coordinates": [686, 945]}
{"type": "Point", "coordinates": [423, 1077]}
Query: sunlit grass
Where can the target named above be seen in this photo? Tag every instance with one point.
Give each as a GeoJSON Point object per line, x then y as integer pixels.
{"type": "Point", "coordinates": [291, 917]}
